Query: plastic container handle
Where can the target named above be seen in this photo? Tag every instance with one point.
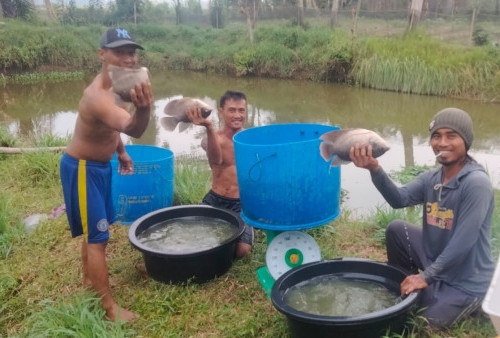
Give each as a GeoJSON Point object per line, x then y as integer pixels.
{"type": "Point", "coordinates": [259, 162]}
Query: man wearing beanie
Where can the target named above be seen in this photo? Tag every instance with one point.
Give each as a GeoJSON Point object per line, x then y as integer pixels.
{"type": "Point", "coordinates": [448, 259]}
{"type": "Point", "coordinates": [85, 166]}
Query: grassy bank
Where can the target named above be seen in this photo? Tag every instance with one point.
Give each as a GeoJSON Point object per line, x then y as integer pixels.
{"type": "Point", "coordinates": [414, 63]}
{"type": "Point", "coordinates": [41, 293]}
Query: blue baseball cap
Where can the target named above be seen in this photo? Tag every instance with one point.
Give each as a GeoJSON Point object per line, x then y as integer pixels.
{"type": "Point", "coordinates": [117, 37]}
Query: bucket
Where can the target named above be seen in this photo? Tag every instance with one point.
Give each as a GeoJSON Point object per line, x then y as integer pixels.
{"type": "Point", "coordinates": [197, 266]}
{"type": "Point", "coordinates": [375, 324]}
{"type": "Point", "coordinates": [149, 188]}
{"type": "Point", "coordinates": [284, 182]}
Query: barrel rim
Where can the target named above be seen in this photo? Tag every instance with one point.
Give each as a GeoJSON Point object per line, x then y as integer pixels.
{"type": "Point", "coordinates": [276, 126]}
{"type": "Point", "coordinates": [302, 226]}
{"type": "Point", "coordinates": [169, 154]}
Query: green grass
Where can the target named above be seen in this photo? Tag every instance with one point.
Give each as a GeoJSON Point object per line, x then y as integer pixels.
{"type": "Point", "coordinates": [51, 77]}
{"type": "Point", "coordinates": [42, 295]}
{"type": "Point", "coordinates": [79, 316]}
{"type": "Point", "coordinates": [192, 180]}
{"type": "Point", "coordinates": [7, 139]}
{"type": "Point", "coordinates": [408, 174]}
{"type": "Point", "coordinates": [48, 140]}
{"type": "Point", "coordinates": [409, 63]}
{"type": "Point", "coordinates": [417, 63]}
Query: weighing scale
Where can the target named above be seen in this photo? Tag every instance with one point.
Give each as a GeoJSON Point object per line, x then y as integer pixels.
{"type": "Point", "coordinates": [286, 250]}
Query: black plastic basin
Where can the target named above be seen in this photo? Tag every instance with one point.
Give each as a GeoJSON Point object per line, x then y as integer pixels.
{"type": "Point", "coordinates": [374, 324]}
{"type": "Point", "coordinates": [200, 266]}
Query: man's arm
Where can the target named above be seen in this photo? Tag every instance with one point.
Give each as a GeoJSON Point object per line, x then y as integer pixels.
{"type": "Point", "coordinates": [210, 143]}
{"type": "Point", "coordinates": [101, 104]}
{"type": "Point", "coordinates": [126, 166]}
{"type": "Point", "coordinates": [397, 197]}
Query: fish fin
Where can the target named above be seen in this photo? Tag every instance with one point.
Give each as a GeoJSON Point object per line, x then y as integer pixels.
{"type": "Point", "coordinates": [338, 161]}
{"type": "Point", "coordinates": [183, 126]}
{"type": "Point", "coordinates": [326, 150]}
{"type": "Point", "coordinates": [169, 122]}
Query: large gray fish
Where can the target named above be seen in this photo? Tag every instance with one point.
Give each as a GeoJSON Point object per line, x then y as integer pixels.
{"type": "Point", "coordinates": [176, 111]}
{"type": "Point", "coordinates": [339, 142]}
{"type": "Point", "coordinates": [124, 79]}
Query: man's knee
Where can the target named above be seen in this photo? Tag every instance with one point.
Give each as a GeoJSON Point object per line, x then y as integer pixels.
{"type": "Point", "coordinates": [394, 228]}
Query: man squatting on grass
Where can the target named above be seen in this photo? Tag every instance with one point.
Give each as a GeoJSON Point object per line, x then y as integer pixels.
{"type": "Point", "coordinates": [85, 167]}
{"type": "Point", "coordinates": [219, 147]}
{"type": "Point", "coordinates": [452, 249]}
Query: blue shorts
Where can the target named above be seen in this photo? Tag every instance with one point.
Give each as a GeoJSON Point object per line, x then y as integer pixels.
{"type": "Point", "coordinates": [233, 204]}
{"type": "Point", "coordinates": [87, 194]}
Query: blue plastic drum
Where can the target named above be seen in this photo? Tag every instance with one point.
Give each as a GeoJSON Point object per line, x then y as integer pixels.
{"type": "Point", "coordinates": [284, 182]}
{"type": "Point", "coordinates": [150, 188]}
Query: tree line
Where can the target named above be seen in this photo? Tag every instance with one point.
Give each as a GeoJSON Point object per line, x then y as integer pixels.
{"type": "Point", "coordinates": [217, 12]}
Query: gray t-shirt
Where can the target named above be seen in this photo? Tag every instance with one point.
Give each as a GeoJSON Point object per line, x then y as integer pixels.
{"type": "Point", "coordinates": [456, 223]}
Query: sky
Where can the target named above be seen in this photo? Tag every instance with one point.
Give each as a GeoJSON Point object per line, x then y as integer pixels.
{"type": "Point", "coordinates": [85, 3]}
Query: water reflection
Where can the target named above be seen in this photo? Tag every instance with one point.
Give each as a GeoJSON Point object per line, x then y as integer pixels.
{"type": "Point", "coordinates": [400, 118]}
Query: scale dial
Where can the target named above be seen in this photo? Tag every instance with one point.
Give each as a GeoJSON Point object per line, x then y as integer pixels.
{"type": "Point", "coordinates": [290, 249]}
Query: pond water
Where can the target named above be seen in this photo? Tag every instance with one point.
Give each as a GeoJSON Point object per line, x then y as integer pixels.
{"type": "Point", "coordinates": [401, 119]}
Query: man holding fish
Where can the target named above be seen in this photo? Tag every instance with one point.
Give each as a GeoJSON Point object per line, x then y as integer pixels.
{"type": "Point", "coordinates": [449, 258]}
{"type": "Point", "coordinates": [219, 147]}
{"type": "Point", "coordinates": [85, 167]}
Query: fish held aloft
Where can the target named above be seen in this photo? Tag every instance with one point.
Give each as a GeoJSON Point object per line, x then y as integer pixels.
{"type": "Point", "coordinates": [123, 79]}
{"type": "Point", "coordinates": [176, 111]}
{"type": "Point", "coordinates": [338, 143]}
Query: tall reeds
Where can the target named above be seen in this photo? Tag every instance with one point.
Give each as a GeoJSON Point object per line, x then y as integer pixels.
{"type": "Point", "coordinates": [416, 63]}
{"type": "Point", "coordinates": [193, 180]}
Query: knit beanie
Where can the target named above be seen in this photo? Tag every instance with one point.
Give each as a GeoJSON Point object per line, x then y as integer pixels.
{"type": "Point", "coordinates": [455, 119]}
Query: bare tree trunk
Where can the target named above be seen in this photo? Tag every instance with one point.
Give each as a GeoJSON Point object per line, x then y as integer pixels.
{"type": "Point", "coordinates": [250, 28]}
{"type": "Point", "coordinates": [300, 12]}
{"type": "Point", "coordinates": [251, 9]}
{"type": "Point", "coordinates": [473, 22]}
{"type": "Point", "coordinates": [334, 19]}
{"type": "Point", "coordinates": [50, 10]}
{"type": "Point", "coordinates": [415, 12]}
{"type": "Point", "coordinates": [254, 14]}
{"type": "Point", "coordinates": [178, 12]}
{"type": "Point", "coordinates": [135, 13]}
{"type": "Point", "coordinates": [355, 17]}
{"type": "Point", "coordinates": [312, 4]}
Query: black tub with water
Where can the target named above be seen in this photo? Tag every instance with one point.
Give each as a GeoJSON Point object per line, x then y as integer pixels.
{"type": "Point", "coordinates": [373, 324]}
{"type": "Point", "coordinates": [199, 266]}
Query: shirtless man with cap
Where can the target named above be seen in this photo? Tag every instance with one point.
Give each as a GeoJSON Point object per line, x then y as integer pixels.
{"type": "Point", "coordinates": [85, 166]}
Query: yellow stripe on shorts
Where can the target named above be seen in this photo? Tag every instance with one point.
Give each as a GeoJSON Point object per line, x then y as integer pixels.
{"type": "Point", "coordinates": [82, 196]}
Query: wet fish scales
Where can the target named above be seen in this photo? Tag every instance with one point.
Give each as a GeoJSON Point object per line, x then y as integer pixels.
{"type": "Point", "coordinates": [339, 142]}
{"type": "Point", "coordinates": [176, 111]}
{"type": "Point", "coordinates": [124, 79]}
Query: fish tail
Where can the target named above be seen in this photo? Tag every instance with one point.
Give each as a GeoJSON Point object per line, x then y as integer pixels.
{"type": "Point", "coordinates": [169, 122]}
{"type": "Point", "coordinates": [326, 150]}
